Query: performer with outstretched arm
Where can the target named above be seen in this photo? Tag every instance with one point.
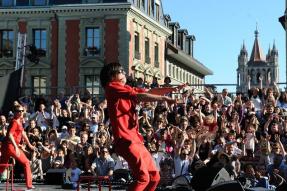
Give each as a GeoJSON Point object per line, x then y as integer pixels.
{"type": "Point", "coordinates": [11, 145]}
{"type": "Point", "coordinates": [122, 100]}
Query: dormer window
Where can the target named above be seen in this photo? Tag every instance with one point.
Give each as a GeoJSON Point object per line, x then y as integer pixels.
{"type": "Point", "coordinates": [7, 3]}
{"type": "Point", "coordinates": [40, 2]}
{"type": "Point", "coordinates": [143, 4]}
{"type": "Point", "coordinates": [157, 12]}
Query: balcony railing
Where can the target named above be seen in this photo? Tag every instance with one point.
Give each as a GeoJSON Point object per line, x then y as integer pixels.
{"type": "Point", "coordinates": [91, 51]}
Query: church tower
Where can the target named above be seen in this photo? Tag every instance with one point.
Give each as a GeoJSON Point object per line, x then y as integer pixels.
{"type": "Point", "coordinates": [258, 66]}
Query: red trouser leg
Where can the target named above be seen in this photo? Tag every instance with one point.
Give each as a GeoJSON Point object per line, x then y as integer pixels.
{"type": "Point", "coordinates": [142, 166]}
{"type": "Point", "coordinates": [9, 150]}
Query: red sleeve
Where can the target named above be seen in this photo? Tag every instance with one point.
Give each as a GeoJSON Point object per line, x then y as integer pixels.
{"type": "Point", "coordinates": [118, 91]}
{"type": "Point", "coordinates": [13, 127]}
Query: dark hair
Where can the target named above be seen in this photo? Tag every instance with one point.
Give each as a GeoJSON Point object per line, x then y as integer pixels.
{"type": "Point", "coordinates": [108, 71]}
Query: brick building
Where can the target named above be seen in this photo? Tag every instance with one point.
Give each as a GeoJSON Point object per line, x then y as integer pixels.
{"type": "Point", "coordinates": [74, 38]}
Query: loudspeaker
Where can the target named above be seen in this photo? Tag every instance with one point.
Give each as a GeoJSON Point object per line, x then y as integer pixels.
{"type": "Point", "coordinates": [55, 176]}
{"type": "Point", "coordinates": [226, 186]}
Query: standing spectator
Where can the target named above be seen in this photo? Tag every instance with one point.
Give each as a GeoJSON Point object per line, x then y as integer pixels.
{"type": "Point", "coordinates": [224, 99]}
{"type": "Point", "coordinates": [154, 83]}
{"type": "Point", "coordinates": [3, 127]}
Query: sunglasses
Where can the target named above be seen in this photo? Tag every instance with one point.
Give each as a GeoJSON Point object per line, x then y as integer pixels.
{"type": "Point", "coordinates": [20, 111]}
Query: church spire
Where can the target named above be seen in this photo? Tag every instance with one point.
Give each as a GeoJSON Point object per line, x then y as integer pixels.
{"type": "Point", "coordinates": [257, 53]}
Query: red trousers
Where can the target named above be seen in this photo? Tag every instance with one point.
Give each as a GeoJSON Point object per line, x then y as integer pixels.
{"type": "Point", "coordinates": [7, 151]}
{"type": "Point", "coordinates": [142, 165]}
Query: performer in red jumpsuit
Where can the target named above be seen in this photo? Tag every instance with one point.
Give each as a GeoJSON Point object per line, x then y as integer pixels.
{"type": "Point", "coordinates": [121, 100]}
{"type": "Point", "coordinates": [10, 146]}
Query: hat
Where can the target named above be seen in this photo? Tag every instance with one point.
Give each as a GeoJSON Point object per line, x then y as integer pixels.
{"type": "Point", "coordinates": [64, 127]}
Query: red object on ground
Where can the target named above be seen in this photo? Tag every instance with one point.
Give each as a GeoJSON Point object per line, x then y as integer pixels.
{"type": "Point", "coordinates": [12, 175]}
{"type": "Point", "coordinates": [90, 179]}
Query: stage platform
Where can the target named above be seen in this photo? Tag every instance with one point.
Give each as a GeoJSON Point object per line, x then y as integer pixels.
{"type": "Point", "coordinates": [44, 187]}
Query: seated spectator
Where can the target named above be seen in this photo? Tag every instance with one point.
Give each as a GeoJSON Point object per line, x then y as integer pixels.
{"type": "Point", "coordinates": [104, 164]}
{"type": "Point", "coordinates": [72, 139]}
{"type": "Point", "coordinates": [58, 160]}
{"type": "Point", "coordinates": [79, 149]}
{"type": "Point", "coordinates": [72, 175]}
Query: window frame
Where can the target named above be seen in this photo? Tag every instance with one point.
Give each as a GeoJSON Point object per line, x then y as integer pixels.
{"type": "Point", "coordinates": [40, 89]}
{"type": "Point", "coordinates": [4, 50]}
{"type": "Point", "coordinates": [96, 48]}
{"type": "Point", "coordinates": [42, 46]}
{"type": "Point", "coordinates": [95, 88]}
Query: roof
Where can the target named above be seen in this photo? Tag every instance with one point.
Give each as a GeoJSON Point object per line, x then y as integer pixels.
{"type": "Point", "coordinates": [187, 60]}
{"type": "Point", "coordinates": [257, 53]}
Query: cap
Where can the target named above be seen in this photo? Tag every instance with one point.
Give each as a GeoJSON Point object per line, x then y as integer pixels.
{"type": "Point", "coordinates": [64, 127]}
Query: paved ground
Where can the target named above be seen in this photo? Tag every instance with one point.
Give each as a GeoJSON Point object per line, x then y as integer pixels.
{"type": "Point", "coordinates": [42, 187]}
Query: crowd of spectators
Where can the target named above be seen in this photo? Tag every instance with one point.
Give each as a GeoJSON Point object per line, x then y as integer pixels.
{"type": "Point", "coordinates": [246, 134]}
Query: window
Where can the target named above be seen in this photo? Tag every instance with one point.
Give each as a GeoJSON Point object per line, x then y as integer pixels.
{"type": "Point", "coordinates": [22, 2]}
{"type": "Point", "coordinates": [93, 41]}
{"type": "Point", "coordinates": [139, 3]}
{"type": "Point", "coordinates": [40, 41]}
{"type": "Point", "coordinates": [143, 4]}
{"type": "Point", "coordinates": [147, 58]}
{"type": "Point", "coordinates": [7, 3]}
{"type": "Point", "coordinates": [92, 84]}
{"type": "Point", "coordinates": [156, 62]}
{"type": "Point", "coordinates": [137, 46]}
{"type": "Point", "coordinates": [40, 2]}
{"type": "Point", "coordinates": [39, 85]}
{"type": "Point", "coordinates": [7, 42]}
{"type": "Point", "coordinates": [179, 39]}
{"type": "Point", "coordinates": [157, 12]}
{"type": "Point", "coordinates": [152, 7]}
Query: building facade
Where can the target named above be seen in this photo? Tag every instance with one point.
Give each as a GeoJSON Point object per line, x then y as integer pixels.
{"type": "Point", "coordinates": [257, 67]}
{"type": "Point", "coordinates": [73, 39]}
{"type": "Point", "coordinates": [181, 66]}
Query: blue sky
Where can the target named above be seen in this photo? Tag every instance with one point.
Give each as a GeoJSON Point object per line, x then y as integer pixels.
{"type": "Point", "coordinates": [221, 26]}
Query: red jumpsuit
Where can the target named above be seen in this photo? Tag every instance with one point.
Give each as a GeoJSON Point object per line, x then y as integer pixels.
{"type": "Point", "coordinates": [121, 100]}
{"type": "Point", "coordinates": [8, 150]}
